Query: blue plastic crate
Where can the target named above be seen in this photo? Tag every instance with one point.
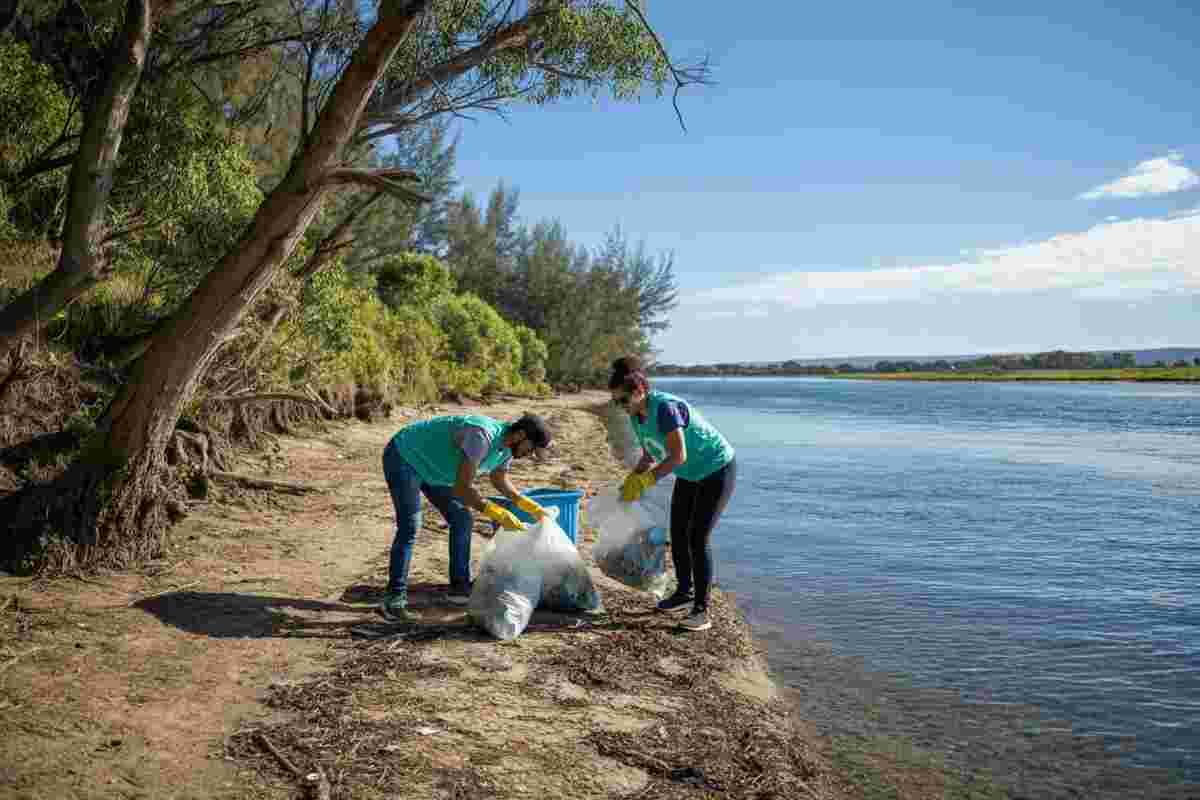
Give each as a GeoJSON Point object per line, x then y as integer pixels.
{"type": "Point", "coordinates": [565, 500]}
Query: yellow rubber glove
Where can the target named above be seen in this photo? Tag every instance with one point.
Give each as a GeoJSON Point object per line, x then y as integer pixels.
{"type": "Point", "coordinates": [531, 508]}
{"type": "Point", "coordinates": [502, 517]}
{"type": "Point", "coordinates": [636, 483]}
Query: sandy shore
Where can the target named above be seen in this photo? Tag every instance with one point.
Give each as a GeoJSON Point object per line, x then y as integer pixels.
{"type": "Point", "coordinates": [193, 676]}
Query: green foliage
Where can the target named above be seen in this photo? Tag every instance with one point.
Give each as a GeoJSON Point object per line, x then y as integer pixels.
{"type": "Point", "coordinates": [604, 42]}
{"type": "Point", "coordinates": [479, 338]}
{"type": "Point", "coordinates": [533, 353]}
{"type": "Point", "coordinates": [35, 121]}
{"type": "Point", "coordinates": [412, 279]}
{"type": "Point", "coordinates": [324, 300]}
{"type": "Point", "coordinates": [33, 109]}
{"type": "Point", "coordinates": [374, 347]}
{"type": "Point", "coordinates": [185, 189]}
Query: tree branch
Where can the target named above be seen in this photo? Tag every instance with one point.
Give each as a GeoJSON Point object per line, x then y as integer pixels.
{"type": "Point", "coordinates": [515, 35]}
{"type": "Point", "coordinates": [683, 77]}
{"type": "Point", "coordinates": [382, 179]}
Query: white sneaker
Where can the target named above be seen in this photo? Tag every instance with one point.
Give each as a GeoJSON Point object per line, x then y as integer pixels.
{"type": "Point", "coordinates": [696, 621]}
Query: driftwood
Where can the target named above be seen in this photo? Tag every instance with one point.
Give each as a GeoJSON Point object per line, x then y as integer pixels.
{"type": "Point", "coordinates": [262, 483]}
{"type": "Point", "coordinates": [316, 785]}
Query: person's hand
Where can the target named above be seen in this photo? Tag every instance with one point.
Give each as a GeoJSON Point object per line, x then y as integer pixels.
{"type": "Point", "coordinates": [531, 508]}
{"type": "Point", "coordinates": [636, 483]}
{"type": "Point", "coordinates": [502, 517]}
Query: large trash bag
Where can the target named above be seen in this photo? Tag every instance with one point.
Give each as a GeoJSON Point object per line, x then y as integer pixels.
{"type": "Point", "coordinates": [566, 582]}
{"type": "Point", "coordinates": [524, 570]}
{"type": "Point", "coordinates": [632, 542]}
{"type": "Point", "coordinates": [508, 587]}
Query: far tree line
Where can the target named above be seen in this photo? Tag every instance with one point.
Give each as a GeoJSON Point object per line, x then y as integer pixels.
{"type": "Point", "coordinates": [1052, 359]}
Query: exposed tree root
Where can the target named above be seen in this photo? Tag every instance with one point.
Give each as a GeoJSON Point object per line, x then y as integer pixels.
{"type": "Point", "coordinates": [93, 516]}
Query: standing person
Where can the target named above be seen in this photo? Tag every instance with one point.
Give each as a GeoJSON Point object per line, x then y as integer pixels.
{"type": "Point", "coordinates": [440, 458]}
{"type": "Point", "coordinates": [676, 438]}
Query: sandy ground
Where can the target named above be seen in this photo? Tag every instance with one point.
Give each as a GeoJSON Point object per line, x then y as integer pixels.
{"type": "Point", "coordinates": [174, 680]}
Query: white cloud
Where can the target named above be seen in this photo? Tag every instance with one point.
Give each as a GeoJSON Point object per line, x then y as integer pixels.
{"type": "Point", "coordinates": [1155, 176]}
{"type": "Point", "coordinates": [1130, 259]}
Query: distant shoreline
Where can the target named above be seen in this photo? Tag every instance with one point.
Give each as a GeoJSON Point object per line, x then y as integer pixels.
{"type": "Point", "coordinates": [1130, 375]}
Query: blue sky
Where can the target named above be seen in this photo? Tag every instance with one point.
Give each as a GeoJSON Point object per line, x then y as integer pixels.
{"type": "Point", "coordinates": [919, 179]}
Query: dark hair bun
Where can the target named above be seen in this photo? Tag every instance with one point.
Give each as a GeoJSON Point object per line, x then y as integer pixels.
{"type": "Point", "coordinates": [626, 365]}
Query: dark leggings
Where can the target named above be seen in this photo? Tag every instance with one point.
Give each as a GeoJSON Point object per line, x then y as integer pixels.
{"type": "Point", "coordinates": [695, 508]}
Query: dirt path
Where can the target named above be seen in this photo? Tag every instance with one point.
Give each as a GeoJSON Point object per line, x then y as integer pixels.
{"type": "Point", "coordinates": [158, 684]}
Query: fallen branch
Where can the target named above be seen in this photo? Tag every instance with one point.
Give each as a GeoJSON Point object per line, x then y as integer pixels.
{"type": "Point", "coordinates": [263, 483]}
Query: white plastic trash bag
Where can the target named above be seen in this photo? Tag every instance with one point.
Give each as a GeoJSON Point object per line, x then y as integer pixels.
{"type": "Point", "coordinates": [523, 570]}
{"type": "Point", "coordinates": [566, 581]}
{"type": "Point", "coordinates": [508, 587]}
{"type": "Point", "coordinates": [632, 542]}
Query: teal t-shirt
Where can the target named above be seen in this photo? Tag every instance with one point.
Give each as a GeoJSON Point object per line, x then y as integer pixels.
{"type": "Point", "coordinates": [434, 447]}
{"type": "Point", "coordinates": [707, 450]}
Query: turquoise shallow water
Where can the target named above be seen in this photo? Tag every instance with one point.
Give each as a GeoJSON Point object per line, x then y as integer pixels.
{"type": "Point", "coordinates": [1018, 543]}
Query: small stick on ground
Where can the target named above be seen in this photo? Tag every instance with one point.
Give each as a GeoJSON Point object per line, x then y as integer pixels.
{"type": "Point", "coordinates": [316, 785]}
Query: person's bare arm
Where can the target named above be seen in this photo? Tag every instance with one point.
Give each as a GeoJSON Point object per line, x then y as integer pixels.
{"type": "Point", "coordinates": [676, 455]}
{"type": "Point", "coordinates": [504, 485]}
{"type": "Point", "coordinates": [464, 486]}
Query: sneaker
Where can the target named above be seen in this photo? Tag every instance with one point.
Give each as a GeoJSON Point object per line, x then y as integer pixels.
{"type": "Point", "coordinates": [677, 600]}
{"type": "Point", "coordinates": [696, 621]}
{"type": "Point", "coordinates": [459, 594]}
{"type": "Point", "coordinates": [394, 608]}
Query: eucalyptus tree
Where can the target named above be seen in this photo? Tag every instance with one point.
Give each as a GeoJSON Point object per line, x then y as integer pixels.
{"type": "Point", "coordinates": [418, 59]}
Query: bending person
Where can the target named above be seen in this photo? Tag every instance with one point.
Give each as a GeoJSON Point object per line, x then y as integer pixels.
{"type": "Point", "coordinates": [440, 458]}
{"type": "Point", "coordinates": [676, 438]}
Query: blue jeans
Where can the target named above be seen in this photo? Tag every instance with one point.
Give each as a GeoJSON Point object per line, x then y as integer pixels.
{"type": "Point", "coordinates": [406, 488]}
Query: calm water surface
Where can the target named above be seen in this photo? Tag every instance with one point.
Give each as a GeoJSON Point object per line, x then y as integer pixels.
{"type": "Point", "coordinates": [1018, 543]}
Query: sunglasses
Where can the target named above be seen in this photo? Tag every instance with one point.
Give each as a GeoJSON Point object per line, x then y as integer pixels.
{"type": "Point", "coordinates": [527, 449]}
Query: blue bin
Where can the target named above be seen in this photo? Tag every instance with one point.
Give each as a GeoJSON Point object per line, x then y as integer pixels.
{"type": "Point", "coordinates": [565, 500]}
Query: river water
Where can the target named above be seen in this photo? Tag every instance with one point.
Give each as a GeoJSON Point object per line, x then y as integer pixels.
{"type": "Point", "coordinates": [1032, 546]}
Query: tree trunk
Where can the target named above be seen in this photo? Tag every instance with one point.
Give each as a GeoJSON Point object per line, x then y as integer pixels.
{"type": "Point", "coordinates": [112, 502]}
{"type": "Point", "coordinates": [83, 261]}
